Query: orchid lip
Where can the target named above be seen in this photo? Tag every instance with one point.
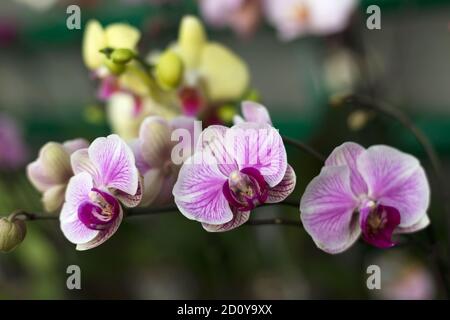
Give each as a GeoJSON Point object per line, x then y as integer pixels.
{"type": "Point", "coordinates": [100, 211]}
{"type": "Point", "coordinates": [378, 223]}
{"type": "Point", "coordinates": [245, 189]}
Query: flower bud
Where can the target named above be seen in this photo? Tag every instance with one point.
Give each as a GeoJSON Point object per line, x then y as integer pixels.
{"type": "Point", "coordinates": [122, 56]}
{"type": "Point", "coordinates": [12, 233]}
{"type": "Point", "coordinates": [169, 70]}
{"type": "Point", "coordinates": [114, 68]}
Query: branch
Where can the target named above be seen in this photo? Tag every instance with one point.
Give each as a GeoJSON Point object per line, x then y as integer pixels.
{"type": "Point", "coordinates": [304, 147]}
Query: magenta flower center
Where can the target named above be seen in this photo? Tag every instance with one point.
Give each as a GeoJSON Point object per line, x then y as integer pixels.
{"type": "Point", "coordinates": [378, 223]}
{"type": "Point", "coordinates": [191, 101]}
{"type": "Point", "coordinates": [245, 189]}
{"type": "Point", "coordinates": [100, 211]}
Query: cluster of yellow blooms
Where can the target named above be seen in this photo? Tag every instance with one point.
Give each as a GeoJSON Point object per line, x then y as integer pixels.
{"type": "Point", "coordinates": [193, 76]}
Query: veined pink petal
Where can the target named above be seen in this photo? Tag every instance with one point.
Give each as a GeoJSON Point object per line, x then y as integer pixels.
{"type": "Point", "coordinates": [103, 235]}
{"type": "Point", "coordinates": [130, 200]}
{"type": "Point", "coordinates": [198, 191]}
{"type": "Point", "coordinates": [154, 139]}
{"type": "Point", "coordinates": [422, 224]}
{"type": "Point", "coordinates": [212, 141]}
{"type": "Point", "coordinates": [396, 179]}
{"type": "Point", "coordinates": [239, 218]}
{"type": "Point", "coordinates": [328, 210]}
{"type": "Point", "coordinates": [347, 154]}
{"type": "Point", "coordinates": [259, 146]}
{"type": "Point", "coordinates": [77, 192]}
{"type": "Point", "coordinates": [255, 112]}
{"type": "Point", "coordinates": [115, 163]}
{"type": "Point", "coordinates": [82, 163]}
{"type": "Point", "coordinates": [73, 229]}
{"type": "Point", "coordinates": [282, 190]}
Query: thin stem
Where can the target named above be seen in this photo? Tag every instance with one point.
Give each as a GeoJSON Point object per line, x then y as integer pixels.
{"type": "Point", "coordinates": [31, 216]}
{"type": "Point", "coordinates": [304, 147]}
{"type": "Point", "coordinates": [274, 221]}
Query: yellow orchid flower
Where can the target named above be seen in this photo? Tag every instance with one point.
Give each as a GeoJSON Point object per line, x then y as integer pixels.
{"type": "Point", "coordinates": [96, 38]}
{"type": "Point", "coordinates": [224, 74]}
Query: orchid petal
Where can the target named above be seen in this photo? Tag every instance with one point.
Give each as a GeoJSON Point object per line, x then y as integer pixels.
{"type": "Point", "coordinates": [53, 198]}
{"type": "Point", "coordinates": [347, 154]}
{"type": "Point", "coordinates": [327, 210]}
{"type": "Point", "coordinates": [94, 40]}
{"type": "Point", "coordinates": [396, 179]}
{"type": "Point", "coordinates": [103, 235]}
{"type": "Point", "coordinates": [155, 141]}
{"type": "Point", "coordinates": [255, 112]}
{"type": "Point", "coordinates": [115, 163]}
{"type": "Point", "coordinates": [74, 230]}
{"type": "Point", "coordinates": [282, 190]}
{"type": "Point", "coordinates": [259, 146]}
{"type": "Point", "coordinates": [239, 218]}
{"type": "Point", "coordinates": [198, 191]}
{"type": "Point", "coordinates": [226, 75]}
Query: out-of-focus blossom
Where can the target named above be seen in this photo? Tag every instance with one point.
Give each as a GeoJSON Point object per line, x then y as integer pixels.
{"type": "Point", "coordinates": [153, 153]}
{"type": "Point", "coordinates": [115, 36]}
{"type": "Point", "coordinates": [212, 72]}
{"type": "Point", "coordinates": [51, 172]}
{"type": "Point", "coordinates": [375, 192]}
{"type": "Point", "coordinates": [13, 151]}
{"type": "Point", "coordinates": [8, 31]}
{"type": "Point", "coordinates": [105, 176]}
{"type": "Point", "coordinates": [404, 278]}
{"type": "Point", "coordinates": [341, 71]}
{"type": "Point", "coordinates": [294, 18]}
{"type": "Point", "coordinates": [39, 5]}
{"type": "Point", "coordinates": [243, 16]}
{"type": "Point", "coordinates": [232, 171]}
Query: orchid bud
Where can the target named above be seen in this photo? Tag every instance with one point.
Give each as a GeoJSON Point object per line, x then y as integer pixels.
{"type": "Point", "coordinates": [12, 233]}
{"type": "Point", "coordinates": [169, 70]}
{"type": "Point", "coordinates": [122, 56]}
{"type": "Point", "coordinates": [114, 68]}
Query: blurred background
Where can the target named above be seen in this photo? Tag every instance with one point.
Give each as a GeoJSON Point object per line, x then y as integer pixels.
{"type": "Point", "coordinates": [47, 94]}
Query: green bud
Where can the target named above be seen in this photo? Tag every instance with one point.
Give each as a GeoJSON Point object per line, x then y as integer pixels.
{"type": "Point", "coordinates": [169, 70]}
{"type": "Point", "coordinates": [114, 68]}
{"type": "Point", "coordinates": [122, 56]}
{"type": "Point", "coordinates": [12, 233]}
{"type": "Point", "coordinates": [226, 113]}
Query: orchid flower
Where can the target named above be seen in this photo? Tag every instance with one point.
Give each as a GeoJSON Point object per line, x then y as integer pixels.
{"type": "Point", "coordinates": [96, 38]}
{"type": "Point", "coordinates": [374, 192]}
{"type": "Point", "coordinates": [153, 153]}
{"type": "Point", "coordinates": [105, 177]}
{"type": "Point", "coordinates": [294, 18]}
{"type": "Point", "coordinates": [232, 171]}
{"type": "Point", "coordinates": [243, 16]}
{"type": "Point", "coordinates": [51, 172]}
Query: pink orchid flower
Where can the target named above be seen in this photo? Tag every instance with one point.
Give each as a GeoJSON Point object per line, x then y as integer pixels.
{"type": "Point", "coordinates": [105, 177]}
{"type": "Point", "coordinates": [295, 18]}
{"type": "Point", "coordinates": [375, 192]}
{"type": "Point", "coordinates": [153, 152]}
{"type": "Point", "coordinates": [232, 171]}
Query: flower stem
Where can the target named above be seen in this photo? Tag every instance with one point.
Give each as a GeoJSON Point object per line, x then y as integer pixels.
{"type": "Point", "coordinates": [304, 147]}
